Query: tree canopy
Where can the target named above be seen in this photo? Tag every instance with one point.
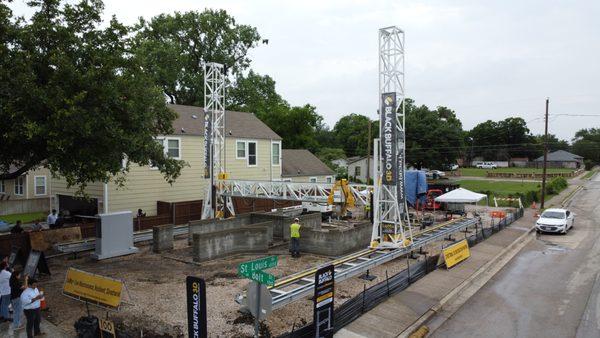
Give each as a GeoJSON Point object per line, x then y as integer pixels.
{"type": "Point", "coordinates": [74, 99]}
{"type": "Point", "coordinates": [586, 143]}
{"type": "Point", "coordinates": [174, 47]}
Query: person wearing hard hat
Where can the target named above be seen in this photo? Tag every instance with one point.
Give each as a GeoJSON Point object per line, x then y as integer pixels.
{"type": "Point", "coordinates": [295, 237]}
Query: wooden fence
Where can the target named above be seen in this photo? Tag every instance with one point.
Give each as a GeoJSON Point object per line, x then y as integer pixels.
{"type": "Point", "coordinates": [21, 206]}
{"type": "Point", "coordinates": [533, 175]}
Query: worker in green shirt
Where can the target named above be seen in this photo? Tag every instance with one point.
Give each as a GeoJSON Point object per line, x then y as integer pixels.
{"type": "Point", "coordinates": [295, 237]}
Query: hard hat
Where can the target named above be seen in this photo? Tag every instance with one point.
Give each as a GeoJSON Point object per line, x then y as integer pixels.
{"type": "Point", "coordinates": [296, 219]}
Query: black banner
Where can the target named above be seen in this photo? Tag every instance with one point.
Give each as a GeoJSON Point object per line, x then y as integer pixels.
{"type": "Point", "coordinates": [389, 160]}
{"type": "Point", "coordinates": [207, 143]}
{"type": "Point", "coordinates": [323, 302]}
{"type": "Point", "coordinates": [196, 307]}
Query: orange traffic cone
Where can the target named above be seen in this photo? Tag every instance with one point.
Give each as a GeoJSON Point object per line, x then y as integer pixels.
{"type": "Point", "coordinates": [533, 205]}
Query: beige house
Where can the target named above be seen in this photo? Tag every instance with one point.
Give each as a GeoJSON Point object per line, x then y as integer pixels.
{"type": "Point", "coordinates": [30, 192]}
{"type": "Point", "coordinates": [359, 168]}
{"type": "Point", "coordinates": [300, 165]}
{"type": "Point", "coordinates": [252, 151]}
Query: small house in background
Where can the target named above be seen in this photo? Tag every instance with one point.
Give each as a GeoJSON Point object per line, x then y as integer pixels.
{"type": "Point", "coordinates": [300, 165]}
{"type": "Point", "coordinates": [560, 159]}
{"type": "Point", "coordinates": [30, 192]}
{"type": "Point", "coordinates": [520, 162]}
{"type": "Point", "coordinates": [357, 168]}
{"type": "Point", "coordinates": [340, 162]}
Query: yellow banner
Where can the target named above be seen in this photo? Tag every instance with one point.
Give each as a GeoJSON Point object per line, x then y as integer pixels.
{"type": "Point", "coordinates": [95, 289]}
{"type": "Point", "coordinates": [456, 253]}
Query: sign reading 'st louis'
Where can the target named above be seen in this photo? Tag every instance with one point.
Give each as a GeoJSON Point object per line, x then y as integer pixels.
{"type": "Point", "coordinates": [388, 127]}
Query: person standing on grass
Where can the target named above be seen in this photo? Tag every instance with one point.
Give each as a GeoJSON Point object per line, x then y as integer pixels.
{"type": "Point", "coordinates": [30, 300]}
{"type": "Point", "coordinates": [16, 289]}
{"type": "Point", "coordinates": [4, 291]}
{"type": "Point", "coordinates": [295, 237]}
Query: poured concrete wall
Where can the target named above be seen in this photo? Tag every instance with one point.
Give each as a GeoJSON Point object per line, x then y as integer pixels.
{"type": "Point", "coordinates": [162, 236]}
{"type": "Point", "coordinates": [253, 238]}
{"type": "Point", "coordinates": [281, 223]}
{"type": "Point", "coordinates": [335, 242]}
{"type": "Point", "coordinates": [211, 225]}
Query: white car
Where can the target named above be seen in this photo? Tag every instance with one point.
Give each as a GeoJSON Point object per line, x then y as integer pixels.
{"type": "Point", "coordinates": [439, 173]}
{"type": "Point", "coordinates": [555, 220]}
{"type": "Point", "coordinates": [486, 165]}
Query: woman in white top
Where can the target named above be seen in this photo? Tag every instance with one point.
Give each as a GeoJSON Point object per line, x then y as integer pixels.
{"type": "Point", "coordinates": [30, 300]}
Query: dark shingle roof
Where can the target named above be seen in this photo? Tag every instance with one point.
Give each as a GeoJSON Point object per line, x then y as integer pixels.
{"type": "Point", "coordinates": [237, 124]}
{"type": "Point", "coordinates": [301, 162]}
{"type": "Point", "coordinates": [560, 156]}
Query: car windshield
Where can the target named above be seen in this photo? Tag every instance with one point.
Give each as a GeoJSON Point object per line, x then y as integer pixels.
{"type": "Point", "coordinates": [553, 214]}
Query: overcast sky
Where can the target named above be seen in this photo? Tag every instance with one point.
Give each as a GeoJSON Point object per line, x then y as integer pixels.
{"type": "Point", "coordinates": [483, 59]}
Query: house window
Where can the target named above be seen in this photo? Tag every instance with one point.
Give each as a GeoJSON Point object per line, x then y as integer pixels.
{"type": "Point", "coordinates": [313, 180]}
{"type": "Point", "coordinates": [329, 179]}
{"type": "Point", "coordinates": [40, 185]}
{"type": "Point", "coordinates": [172, 148]}
{"type": "Point", "coordinates": [19, 185]}
{"type": "Point", "coordinates": [356, 171]}
{"type": "Point", "coordinates": [251, 153]}
{"type": "Point", "coordinates": [240, 152]}
{"type": "Point", "coordinates": [275, 151]}
{"type": "Point", "coordinates": [2, 187]}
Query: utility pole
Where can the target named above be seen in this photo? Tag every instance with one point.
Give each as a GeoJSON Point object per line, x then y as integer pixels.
{"type": "Point", "coordinates": [369, 154]}
{"type": "Point", "coordinates": [545, 157]}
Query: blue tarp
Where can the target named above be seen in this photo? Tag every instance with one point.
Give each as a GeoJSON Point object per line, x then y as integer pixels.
{"type": "Point", "coordinates": [415, 186]}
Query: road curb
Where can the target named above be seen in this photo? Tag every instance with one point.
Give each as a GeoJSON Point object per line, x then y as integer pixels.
{"type": "Point", "coordinates": [455, 298]}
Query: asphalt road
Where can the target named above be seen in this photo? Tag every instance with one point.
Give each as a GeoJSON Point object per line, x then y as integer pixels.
{"type": "Point", "coordinates": [550, 289]}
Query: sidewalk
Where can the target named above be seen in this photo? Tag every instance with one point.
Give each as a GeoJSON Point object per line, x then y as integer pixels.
{"type": "Point", "coordinates": [50, 329]}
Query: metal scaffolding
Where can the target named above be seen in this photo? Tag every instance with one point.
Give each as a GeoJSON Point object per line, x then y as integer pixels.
{"type": "Point", "coordinates": [390, 208]}
{"type": "Point", "coordinates": [214, 134]}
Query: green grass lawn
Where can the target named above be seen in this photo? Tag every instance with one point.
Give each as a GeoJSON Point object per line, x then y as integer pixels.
{"type": "Point", "coordinates": [499, 188]}
{"type": "Point", "coordinates": [25, 218]}
{"type": "Point", "coordinates": [589, 174]}
{"type": "Point", "coordinates": [481, 172]}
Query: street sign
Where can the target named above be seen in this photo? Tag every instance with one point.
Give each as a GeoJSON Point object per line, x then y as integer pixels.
{"type": "Point", "coordinates": [196, 307]}
{"type": "Point", "coordinates": [266, 300]}
{"type": "Point", "coordinates": [253, 270]}
{"type": "Point", "coordinates": [323, 302]}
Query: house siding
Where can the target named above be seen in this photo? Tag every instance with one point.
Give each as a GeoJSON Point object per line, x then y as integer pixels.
{"type": "Point", "coordinates": [239, 169]}
{"type": "Point", "coordinates": [145, 186]}
{"type": "Point", "coordinates": [29, 185]}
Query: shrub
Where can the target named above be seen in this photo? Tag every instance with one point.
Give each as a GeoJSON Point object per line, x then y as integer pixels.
{"type": "Point", "coordinates": [556, 185]}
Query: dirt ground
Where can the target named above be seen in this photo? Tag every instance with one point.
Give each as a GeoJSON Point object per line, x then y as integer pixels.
{"type": "Point", "coordinates": [156, 304]}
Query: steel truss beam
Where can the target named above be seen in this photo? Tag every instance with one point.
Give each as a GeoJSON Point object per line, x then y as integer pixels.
{"type": "Point", "coordinates": [288, 191]}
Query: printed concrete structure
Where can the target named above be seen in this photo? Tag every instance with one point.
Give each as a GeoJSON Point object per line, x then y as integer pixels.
{"type": "Point", "coordinates": [300, 165]}
{"type": "Point", "coordinates": [256, 232]}
{"type": "Point", "coordinates": [252, 151]}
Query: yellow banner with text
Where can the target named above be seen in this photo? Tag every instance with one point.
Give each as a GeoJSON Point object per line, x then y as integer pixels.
{"type": "Point", "coordinates": [456, 253]}
{"type": "Point", "coordinates": [88, 287]}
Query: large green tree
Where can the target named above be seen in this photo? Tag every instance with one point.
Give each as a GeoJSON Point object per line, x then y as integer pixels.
{"type": "Point", "coordinates": [297, 125]}
{"type": "Point", "coordinates": [434, 138]}
{"type": "Point", "coordinates": [352, 134]}
{"type": "Point", "coordinates": [173, 49]}
{"type": "Point", "coordinates": [73, 99]}
{"type": "Point", "coordinates": [502, 140]}
{"type": "Point", "coordinates": [586, 143]}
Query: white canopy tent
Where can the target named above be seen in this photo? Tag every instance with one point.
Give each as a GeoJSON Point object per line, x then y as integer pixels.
{"type": "Point", "coordinates": [460, 195]}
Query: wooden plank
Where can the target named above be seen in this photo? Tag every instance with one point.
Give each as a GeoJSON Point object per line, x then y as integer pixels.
{"type": "Point", "coordinates": [43, 240]}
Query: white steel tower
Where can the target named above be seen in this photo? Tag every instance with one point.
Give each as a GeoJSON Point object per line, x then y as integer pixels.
{"type": "Point", "coordinates": [390, 208]}
{"type": "Point", "coordinates": [214, 135]}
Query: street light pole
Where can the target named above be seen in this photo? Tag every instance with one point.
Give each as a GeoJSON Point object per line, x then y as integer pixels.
{"type": "Point", "coordinates": [545, 157]}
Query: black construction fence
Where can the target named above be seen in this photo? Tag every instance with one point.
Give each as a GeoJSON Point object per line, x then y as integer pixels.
{"type": "Point", "coordinates": [375, 294]}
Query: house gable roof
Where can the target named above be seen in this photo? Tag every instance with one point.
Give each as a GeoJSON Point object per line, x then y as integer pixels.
{"type": "Point", "coordinates": [560, 156]}
{"type": "Point", "coordinates": [237, 124]}
{"type": "Point", "coordinates": [301, 162]}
